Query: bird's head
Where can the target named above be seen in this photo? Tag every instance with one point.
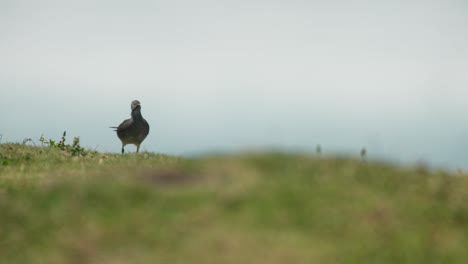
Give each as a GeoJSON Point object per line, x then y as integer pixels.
{"type": "Point", "coordinates": [135, 105]}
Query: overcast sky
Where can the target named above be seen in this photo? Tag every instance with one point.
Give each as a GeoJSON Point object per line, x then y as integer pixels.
{"type": "Point", "coordinates": [391, 76]}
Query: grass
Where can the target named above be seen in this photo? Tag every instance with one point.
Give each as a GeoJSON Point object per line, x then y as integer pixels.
{"type": "Point", "coordinates": [56, 207]}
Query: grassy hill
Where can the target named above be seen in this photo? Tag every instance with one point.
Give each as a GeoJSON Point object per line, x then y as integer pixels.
{"type": "Point", "coordinates": [251, 208]}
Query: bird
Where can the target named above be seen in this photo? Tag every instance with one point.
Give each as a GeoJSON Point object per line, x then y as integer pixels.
{"type": "Point", "coordinates": [133, 130]}
{"type": "Point", "coordinates": [363, 153]}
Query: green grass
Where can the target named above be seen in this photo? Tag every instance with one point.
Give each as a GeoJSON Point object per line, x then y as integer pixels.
{"type": "Point", "coordinates": [251, 208]}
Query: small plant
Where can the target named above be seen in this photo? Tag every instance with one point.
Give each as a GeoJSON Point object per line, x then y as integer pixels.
{"type": "Point", "coordinates": [74, 149]}
{"type": "Point", "coordinates": [26, 140]}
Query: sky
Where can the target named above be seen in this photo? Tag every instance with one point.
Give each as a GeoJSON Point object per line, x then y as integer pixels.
{"type": "Point", "coordinates": [216, 75]}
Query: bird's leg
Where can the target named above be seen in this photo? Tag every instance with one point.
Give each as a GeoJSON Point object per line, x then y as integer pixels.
{"type": "Point", "coordinates": [138, 148]}
{"type": "Point", "coordinates": [122, 149]}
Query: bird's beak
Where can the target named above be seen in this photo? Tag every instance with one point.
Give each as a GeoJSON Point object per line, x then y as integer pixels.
{"type": "Point", "coordinates": [136, 106]}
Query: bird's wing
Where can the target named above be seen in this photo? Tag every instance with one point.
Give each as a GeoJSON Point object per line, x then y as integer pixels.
{"type": "Point", "coordinates": [123, 128]}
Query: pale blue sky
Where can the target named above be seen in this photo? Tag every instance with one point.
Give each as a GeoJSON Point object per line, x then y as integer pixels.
{"type": "Point", "coordinates": [227, 75]}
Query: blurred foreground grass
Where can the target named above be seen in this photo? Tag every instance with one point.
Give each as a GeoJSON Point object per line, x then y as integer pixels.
{"type": "Point", "coordinates": [251, 208]}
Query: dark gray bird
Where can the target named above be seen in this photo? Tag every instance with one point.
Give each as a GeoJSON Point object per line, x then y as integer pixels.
{"type": "Point", "coordinates": [133, 130]}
